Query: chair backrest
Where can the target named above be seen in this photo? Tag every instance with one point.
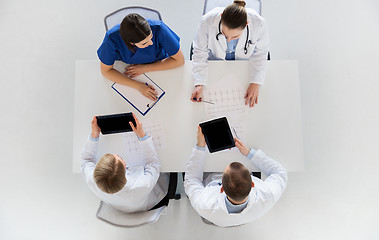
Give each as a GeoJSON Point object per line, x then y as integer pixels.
{"type": "Point", "coordinates": [166, 181]}
{"type": "Point", "coordinates": [115, 217]}
{"type": "Point", "coordinates": [116, 17]}
{"type": "Point", "coordinates": [210, 4]}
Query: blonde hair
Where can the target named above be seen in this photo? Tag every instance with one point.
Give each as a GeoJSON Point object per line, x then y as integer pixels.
{"type": "Point", "coordinates": [109, 174]}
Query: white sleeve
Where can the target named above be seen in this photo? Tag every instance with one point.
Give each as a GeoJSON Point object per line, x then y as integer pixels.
{"type": "Point", "coordinates": [258, 60]}
{"type": "Point", "coordinates": [276, 174]}
{"type": "Point", "coordinates": [152, 164]}
{"type": "Point", "coordinates": [87, 162]}
{"type": "Point", "coordinates": [193, 181]}
{"type": "Point", "coordinates": [200, 54]}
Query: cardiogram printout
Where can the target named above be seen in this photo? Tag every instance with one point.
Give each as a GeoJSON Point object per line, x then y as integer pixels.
{"type": "Point", "coordinates": [238, 130]}
{"type": "Point", "coordinates": [227, 96]}
{"type": "Point", "coordinates": [131, 144]}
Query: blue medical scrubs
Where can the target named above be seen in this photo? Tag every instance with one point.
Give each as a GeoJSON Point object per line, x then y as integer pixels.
{"type": "Point", "coordinates": [165, 43]}
{"type": "Point", "coordinates": [231, 49]}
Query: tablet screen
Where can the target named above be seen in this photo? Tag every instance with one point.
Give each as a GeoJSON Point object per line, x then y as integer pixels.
{"type": "Point", "coordinates": [217, 134]}
{"type": "Point", "coordinates": [115, 123]}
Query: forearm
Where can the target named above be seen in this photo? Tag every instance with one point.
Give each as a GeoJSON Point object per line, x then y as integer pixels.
{"type": "Point", "coordinates": [116, 76]}
{"type": "Point", "coordinates": [201, 54]}
{"type": "Point", "coordinates": [257, 69]}
{"type": "Point", "coordinates": [277, 176]}
{"type": "Point", "coordinates": [165, 64]}
{"type": "Point", "coordinates": [152, 164]}
{"type": "Point", "coordinates": [266, 164]}
{"type": "Point", "coordinates": [90, 149]}
{"type": "Point", "coordinates": [149, 153]}
{"type": "Point", "coordinates": [200, 66]}
{"type": "Point", "coordinates": [258, 60]}
{"type": "Point", "coordinates": [193, 181]}
{"type": "Point", "coordinates": [88, 161]}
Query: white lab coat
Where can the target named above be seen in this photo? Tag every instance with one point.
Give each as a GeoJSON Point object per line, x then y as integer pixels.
{"type": "Point", "coordinates": [209, 202]}
{"type": "Point", "coordinates": [141, 191]}
{"type": "Point", "coordinates": [206, 46]}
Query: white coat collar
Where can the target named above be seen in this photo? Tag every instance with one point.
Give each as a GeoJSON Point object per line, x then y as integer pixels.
{"type": "Point", "coordinates": [221, 38]}
{"type": "Point", "coordinates": [250, 204]}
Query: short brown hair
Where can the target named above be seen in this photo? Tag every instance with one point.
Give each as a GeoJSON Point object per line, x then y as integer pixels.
{"type": "Point", "coordinates": [235, 15]}
{"type": "Point", "coordinates": [237, 182]}
{"type": "Point", "coordinates": [134, 29]}
{"type": "Point", "coordinates": [109, 174]}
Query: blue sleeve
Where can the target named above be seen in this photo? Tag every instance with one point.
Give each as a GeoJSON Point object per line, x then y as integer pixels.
{"type": "Point", "coordinates": [168, 40]}
{"type": "Point", "coordinates": [143, 138]}
{"type": "Point", "coordinates": [200, 148]}
{"type": "Point", "coordinates": [93, 139]}
{"type": "Point", "coordinates": [107, 52]}
{"type": "Point", "coordinates": [251, 154]}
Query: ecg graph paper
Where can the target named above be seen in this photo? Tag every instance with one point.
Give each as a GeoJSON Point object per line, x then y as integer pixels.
{"type": "Point", "coordinates": [154, 129]}
{"type": "Point", "coordinates": [131, 143]}
{"type": "Point", "coordinates": [228, 100]}
{"type": "Point", "coordinates": [238, 130]}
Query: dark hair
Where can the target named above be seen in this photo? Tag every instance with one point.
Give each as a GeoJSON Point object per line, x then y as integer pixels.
{"type": "Point", "coordinates": [235, 15]}
{"type": "Point", "coordinates": [134, 29]}
{"type": "Point", "coordinates": [237, 182]}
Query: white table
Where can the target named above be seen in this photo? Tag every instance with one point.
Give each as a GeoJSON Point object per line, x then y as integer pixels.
{"type": "Point", "coordinates": [274, 125]}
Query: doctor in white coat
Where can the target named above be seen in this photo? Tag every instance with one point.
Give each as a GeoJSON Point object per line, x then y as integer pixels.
{"type": "Point", "coordinates": [129, 190]}
{"type": "Point", "coordinates": [231, 33]}
{"type": "Point", "coordinates": [233, 197]}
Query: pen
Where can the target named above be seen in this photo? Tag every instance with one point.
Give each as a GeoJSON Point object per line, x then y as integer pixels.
{"type": "Point", "coordinates": [207, 102]}
{"type": "Point", "coordinates": [235, 132]}
{"type": "Point", "coordinates": [203, 101]}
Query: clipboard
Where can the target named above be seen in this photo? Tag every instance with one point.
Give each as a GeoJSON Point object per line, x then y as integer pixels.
{"type": "Point", "coordinates": [141, 103]}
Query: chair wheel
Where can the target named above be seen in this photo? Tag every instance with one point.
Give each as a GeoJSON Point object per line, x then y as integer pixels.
{"type": "Point", "coordinates": [177, 196]}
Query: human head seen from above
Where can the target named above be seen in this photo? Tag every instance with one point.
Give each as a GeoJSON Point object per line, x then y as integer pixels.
{"type": "Point", "coordinates": [135, 31]}
{"type": "Point", "coordinates": [236, 183]}
{"type": "Point", "coordinates": [234, 20]}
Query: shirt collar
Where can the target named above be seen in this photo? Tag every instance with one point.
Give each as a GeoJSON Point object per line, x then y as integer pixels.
{"type": "Point", "coordinates": [235, 208]}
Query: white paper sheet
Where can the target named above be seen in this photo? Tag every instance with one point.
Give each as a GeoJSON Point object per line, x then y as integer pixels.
{"type": "Point", "coordinates": [238, 130]}
{"type": "Point", "coordinates": [228, 98]}
{"type": "Point", "coordinates": [132, 95]}
{"type": "Point", "coordinates": [131, 143]}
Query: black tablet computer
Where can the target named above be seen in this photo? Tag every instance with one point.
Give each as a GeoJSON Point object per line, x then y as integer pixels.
{"type": "Point", "coordinates": [217, 134]}
{"type": "Point", "coordinates": [115, 123]}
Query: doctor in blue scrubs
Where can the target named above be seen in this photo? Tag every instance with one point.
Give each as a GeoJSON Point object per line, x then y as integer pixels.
{"type": "Point", "coordinates": [149, 45]}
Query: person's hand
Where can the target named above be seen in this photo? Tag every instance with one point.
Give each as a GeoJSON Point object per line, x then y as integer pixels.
{"type": "Point", "coordinates": [252, 94]}
{"type": "Point", "coordinates": [135, 70]}
{"type": "Point", "coordinates": [197, 94]}
{"type": "Point", "coordinates": [147, 90]}
{"type": "Point", "coordinates": [200, 137]}
{"type": "Point", "coordinates": [95, 128]}
{"type": "Point", "coordinates": [138, 129]}
{"type": "Point", "coordinates": [243, 149]}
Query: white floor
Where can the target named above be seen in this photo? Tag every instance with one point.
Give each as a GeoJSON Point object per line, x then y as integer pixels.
{"type": "Point", "coordinates": [336, 197]}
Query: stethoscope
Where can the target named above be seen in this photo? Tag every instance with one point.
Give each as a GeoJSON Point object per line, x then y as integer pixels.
{"type": "Point", "coordinates": [247, 42]}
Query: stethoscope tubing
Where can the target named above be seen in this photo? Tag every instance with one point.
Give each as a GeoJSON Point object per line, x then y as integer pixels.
{"type": "Point", "coordinates": [247, 36]}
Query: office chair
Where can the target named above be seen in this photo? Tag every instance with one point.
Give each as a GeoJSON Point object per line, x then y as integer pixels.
{"type": "Point", "coordinates": [115, 217]}
{"type": "Point", "coordinates": [117, 16]}
{"type": "Point", "coordinates": [210, 4]}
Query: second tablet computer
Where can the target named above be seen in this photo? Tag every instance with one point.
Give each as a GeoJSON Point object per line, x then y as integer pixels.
{"type": "Point", "coordinates": [217, 134]}
{"type": "Point", "coordinates": [115, 123]}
